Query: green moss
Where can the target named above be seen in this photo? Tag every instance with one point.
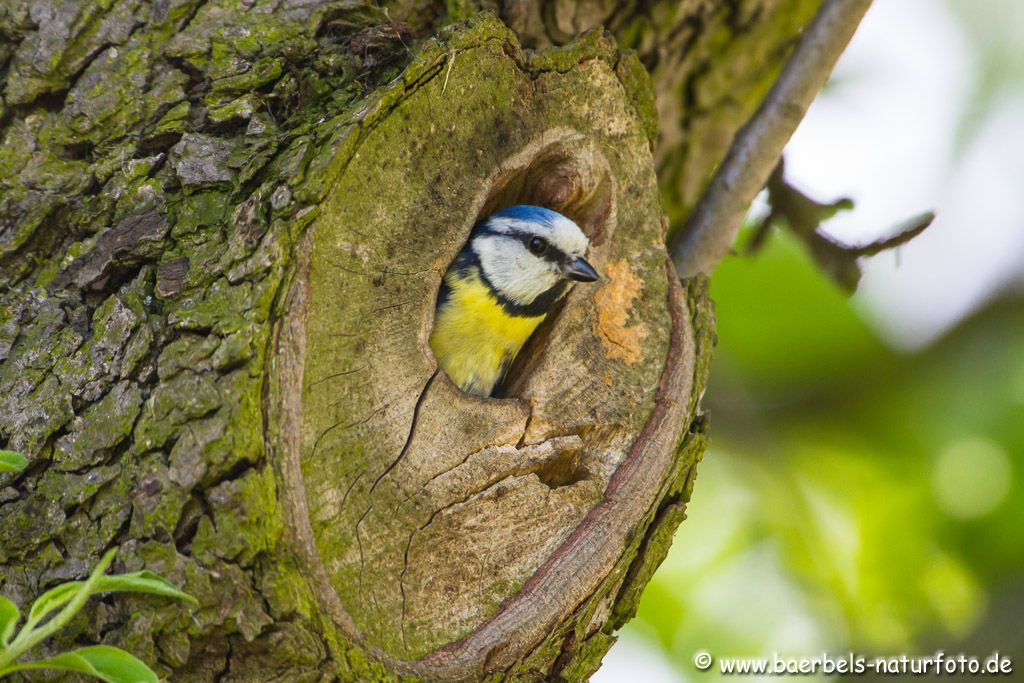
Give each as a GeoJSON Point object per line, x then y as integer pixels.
{"type": "Point", "coordinates": [197, 210]}
{"type": "Point", "coordinates": [289, 165]}
{"type": "Point", "coordinates": [157, 500]}
{"type": "Point", "coordinates": [175, 121]}
{"type": "Point", "coordinates": [359, 667]}
{"type": "Point", "coordinates": [112, 323]}
{"type": "Point", "coordinates": [238, 108]}
{"type": "Point", "coordinates": [84, 34]}
{"type": "Point", "coordinates": [460, 10]}
{"type": "Point", "coordinates": [33, 400]}
{"type": "Point", "coordinates": [185, 397]}
{"type": "Point", "coordinates": [586, 660]}
{"type": "Point", "coordinates": [136, 351]}
{"type": "Point", "coordinates": [263, 71]}
{"type": "Point", "coordinates": [140, 195]}
{"type": "Point", "coordinates": [105, 424]}
{"type": "Point", "coordinates": [245, 520]}
{"type": "Point", "coordinates": [31, 521]}
{"type": "Point", "coordinates": [284, 586]}
{"type": "Point", "coordinates": [221, 308]}
{"type": "Point", "coordinates": [640, 91]}
{"type": "Point", "coordinates": [594, 44]}
{"type": "Point", "coordinates": [189, 351]}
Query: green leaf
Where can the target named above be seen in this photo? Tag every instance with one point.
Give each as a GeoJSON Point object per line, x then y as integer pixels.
{"type": "Point", "coordinates": [136, 582]}
{"type": "Point", "coordinates": [141, 582]}
{"type": "Point", "coordinates": [55, 598]}
{"type": "Point", "coordinates": [107, 663]}
{"type": "Point", "coordinates": [72, 595]}
{"type": "Point", "coordinates": [12, 462]}
{"type": "Point", "coordinates": [9, 615]}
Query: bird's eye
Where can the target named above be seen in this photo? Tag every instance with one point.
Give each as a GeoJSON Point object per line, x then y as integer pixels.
{"type": "Point", "coordinates": [538, 245]}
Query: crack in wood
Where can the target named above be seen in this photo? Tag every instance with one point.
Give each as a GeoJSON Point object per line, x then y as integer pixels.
{"type": "Point", "coordinates": [405, 449]}
{"type": "Point", "coordinates": [339, 423]}
{"type": "Point", "coordinates": [383, 273]}
{"type": "Point", "coordinates": [412, 432]}
{"type": "Point", "coordinates": [338, 374]}
{"type": "Point", "coordinates": [495, 480]}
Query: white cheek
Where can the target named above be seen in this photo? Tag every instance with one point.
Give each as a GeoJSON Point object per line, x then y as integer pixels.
{"type": "Point", "coordinates": [515, 273]}
{"type": "Point", "coordinates": [535, 276]}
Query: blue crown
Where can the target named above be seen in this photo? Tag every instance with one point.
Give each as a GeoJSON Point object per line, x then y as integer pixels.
{"type": "Point", "coordinates": [526, 212]}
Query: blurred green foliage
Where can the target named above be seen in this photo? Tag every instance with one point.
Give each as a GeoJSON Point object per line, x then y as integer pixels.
{"type": "Point", "coordinates": [853, 498]}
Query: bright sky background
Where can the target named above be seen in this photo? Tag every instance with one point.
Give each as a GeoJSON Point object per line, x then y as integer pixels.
{"type": "Point", "coordinates": [888, 133]}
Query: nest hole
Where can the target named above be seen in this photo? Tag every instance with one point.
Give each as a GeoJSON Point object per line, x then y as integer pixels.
{"type": "Point", "coordinates": [570, 177]}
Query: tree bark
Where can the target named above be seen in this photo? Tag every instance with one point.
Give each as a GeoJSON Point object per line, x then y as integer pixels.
{"type": "Point", "coordinates": [222, 231]}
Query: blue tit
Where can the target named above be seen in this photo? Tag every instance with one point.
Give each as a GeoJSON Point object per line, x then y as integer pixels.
{"type": "Point", "coordinates": [517, 264]}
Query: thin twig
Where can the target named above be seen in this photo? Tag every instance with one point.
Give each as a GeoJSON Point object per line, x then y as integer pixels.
{"type": "Point", "coordinates": [901, 234]}
{"type": "Point", "coordinates": [712, 226]}
{"type": "Point", "coordinates": [803, 216]}
{"type": "Point", "coordinates": [451, 63]}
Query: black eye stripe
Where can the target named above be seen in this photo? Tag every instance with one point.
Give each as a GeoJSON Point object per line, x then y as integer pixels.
{"type": "Point", "coordinates": [552, 253]}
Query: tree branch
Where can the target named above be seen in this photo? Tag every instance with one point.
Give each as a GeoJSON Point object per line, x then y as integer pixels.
{"type": "Point", "coordinates": [711, 229]}
{"type": "Point", "coordinates": [803, 217]}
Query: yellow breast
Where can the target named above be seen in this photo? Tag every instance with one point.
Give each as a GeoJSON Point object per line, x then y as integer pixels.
{"type": "Point", "coordinates": [474, 339]}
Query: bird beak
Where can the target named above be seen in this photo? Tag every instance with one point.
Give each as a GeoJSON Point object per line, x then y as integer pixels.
{"type": "Point", "coordinates": [578, 269]}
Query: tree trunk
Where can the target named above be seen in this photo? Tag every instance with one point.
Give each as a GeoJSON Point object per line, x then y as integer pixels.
{"type": "Point", "coordinates": [222, 231]}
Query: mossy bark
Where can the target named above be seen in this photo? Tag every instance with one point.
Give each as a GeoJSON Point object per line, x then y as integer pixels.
{"type": "Point", "coordinates": [222, 227]}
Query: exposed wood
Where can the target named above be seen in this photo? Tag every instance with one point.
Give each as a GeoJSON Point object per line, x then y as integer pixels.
{"type": "Point", "coordinates": [452, 533]}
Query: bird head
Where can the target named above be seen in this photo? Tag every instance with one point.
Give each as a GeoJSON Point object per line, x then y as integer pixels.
{"type": "Point", "coordinates": [527, 251]}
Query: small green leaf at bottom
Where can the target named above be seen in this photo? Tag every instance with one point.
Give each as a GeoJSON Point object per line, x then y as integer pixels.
{"type": "Point", "coordinates": [9, 615]}
{"type": "Point", "coordinates": [104, 662]}
{"type": "Point", "coordinates": [135, 582]}
{"type": "Point", "coordinates": [12, 462]}
{"type": "Point", "coordinates": [141, 582]}
{"type": "Point", "coordinates": [53, 599]}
